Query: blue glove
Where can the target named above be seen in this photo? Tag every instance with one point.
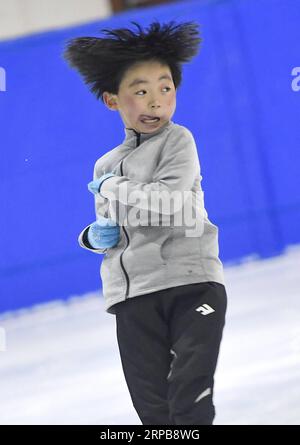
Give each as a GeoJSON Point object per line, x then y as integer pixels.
{"type": "Point", "coordinates": [95, 186]}
{"type": "Point", "coordinates": [104, 233]}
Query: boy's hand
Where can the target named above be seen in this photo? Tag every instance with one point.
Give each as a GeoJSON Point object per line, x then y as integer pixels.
{"type": "Point", "coordinates": [104, 233]}
{"type": "Point", "coordinates": [95, 186]}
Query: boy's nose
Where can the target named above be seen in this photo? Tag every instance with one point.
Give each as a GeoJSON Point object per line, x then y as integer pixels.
{"type": "Point", "coordinates": [155, 105]}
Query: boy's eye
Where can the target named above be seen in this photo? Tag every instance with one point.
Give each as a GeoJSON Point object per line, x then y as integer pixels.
{"type": "Point", "coordinates": [141, 91]}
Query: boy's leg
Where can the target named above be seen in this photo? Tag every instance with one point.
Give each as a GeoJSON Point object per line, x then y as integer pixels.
{"type": "Point", "coordinates": [145, 355]}
{"type": "Point", "coordinates": [197, 317]}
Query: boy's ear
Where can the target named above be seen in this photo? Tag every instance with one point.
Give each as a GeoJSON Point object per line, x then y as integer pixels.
{"type": "Point", "coordinates": [110, 100]}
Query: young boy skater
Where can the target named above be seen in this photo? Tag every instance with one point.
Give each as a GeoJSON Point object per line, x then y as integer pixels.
{"type": "Point", "coordinates": [163, 280]}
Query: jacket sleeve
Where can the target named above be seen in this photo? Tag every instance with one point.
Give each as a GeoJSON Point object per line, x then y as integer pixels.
{"type": "Point", "coordinates": [101, 209]}
{"type": "Point", "coordinates": [176, 172]}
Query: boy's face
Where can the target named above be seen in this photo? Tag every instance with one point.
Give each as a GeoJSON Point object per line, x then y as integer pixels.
{"type": "Point", "coordinates": [144, 94]}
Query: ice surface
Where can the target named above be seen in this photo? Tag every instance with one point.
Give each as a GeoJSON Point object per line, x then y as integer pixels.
{"type": "Point", "coordinates": [61, 364]}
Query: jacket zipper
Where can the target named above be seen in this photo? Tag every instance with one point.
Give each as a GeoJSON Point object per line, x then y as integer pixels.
{"type": "Point", "coordinates": [121, 260]}
{"type": "Point", "coordinates": [138, 139]}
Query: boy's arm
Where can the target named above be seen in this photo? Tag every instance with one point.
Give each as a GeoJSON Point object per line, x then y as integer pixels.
{"type": "Point", "coordinates": [84, 242]}
{"type": "Point", "coordinates": [176, 172]}
{"type": "Point", "coordinates": [101, 209]}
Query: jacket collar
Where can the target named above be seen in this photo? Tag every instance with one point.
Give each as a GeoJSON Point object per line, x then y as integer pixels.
{"type": "Point", "coordinates": [134, 139]}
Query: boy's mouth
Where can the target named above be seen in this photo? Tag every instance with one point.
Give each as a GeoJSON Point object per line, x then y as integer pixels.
{"type": "Point", "coordinates": [150, 119]}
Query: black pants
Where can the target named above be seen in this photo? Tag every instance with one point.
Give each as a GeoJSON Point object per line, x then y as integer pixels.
{"type": "Point", "coordinates": [169, 344]}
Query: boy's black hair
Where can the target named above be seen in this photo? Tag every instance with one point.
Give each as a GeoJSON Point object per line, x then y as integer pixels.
{"type": "Point", "coordinates": [102, 62]}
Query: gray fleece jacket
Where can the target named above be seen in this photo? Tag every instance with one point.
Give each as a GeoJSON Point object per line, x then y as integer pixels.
{"type": "Point", "coordinates": [166, 238]}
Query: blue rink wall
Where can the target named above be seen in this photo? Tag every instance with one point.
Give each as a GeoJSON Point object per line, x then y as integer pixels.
{"type": "Point", "coordinates": [236, 98]}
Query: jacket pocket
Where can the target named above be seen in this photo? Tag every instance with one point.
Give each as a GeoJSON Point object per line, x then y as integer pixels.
{"type": "Point", "coordinates": [177, 245]}
{"type": "Point", "coordinates": [165, 248]}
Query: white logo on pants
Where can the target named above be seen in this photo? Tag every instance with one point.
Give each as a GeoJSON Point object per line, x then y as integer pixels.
{"type": "Point", "coordinates": [205, 309]}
